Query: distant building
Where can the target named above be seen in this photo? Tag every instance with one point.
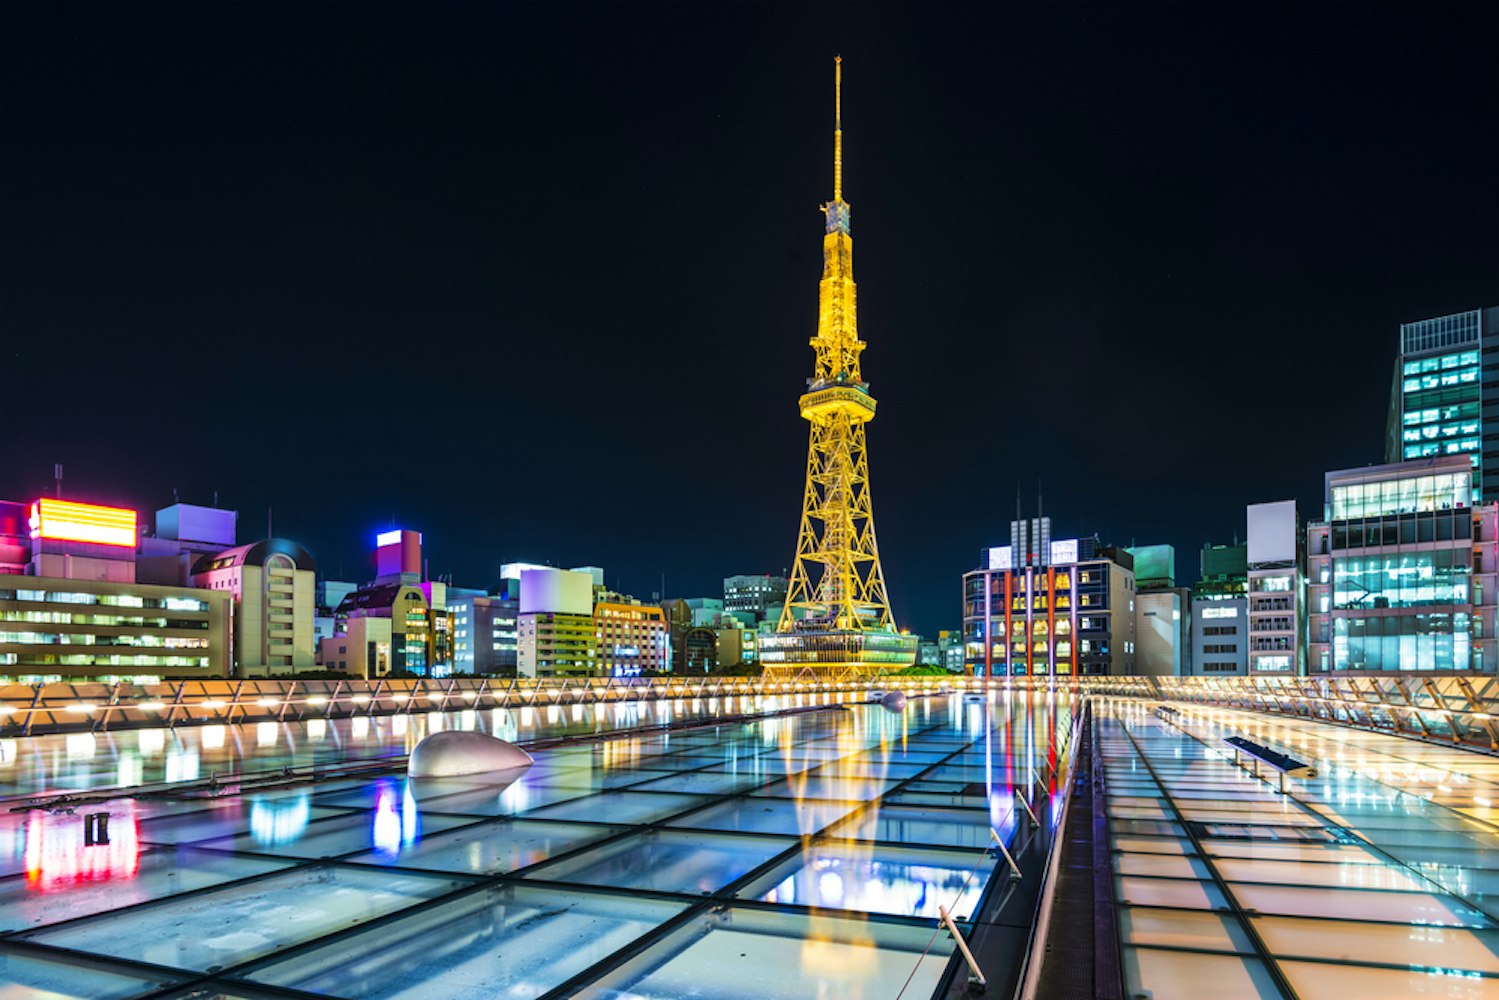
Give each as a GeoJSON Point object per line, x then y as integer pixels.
{"type": "Point", "coordinates": [75, 630]}
{"type": "Point", "coordinates": [763, 596]}
{"type": "Point", "coordinates": [1049, 607]}
{"type": "Point", "coordinates": [77, 612]}
{"type": "Point", "coordinates": [1277, 598]}
{"type": "Point", "coordinates": [1223, 571]}
{"type": "Point", "coordinates": [1163, 614]}
{"type": "Point", "coordinates": [1445, 387]}
{"type": "Point", "coordinates": [950, 650]}
{"type": "Point", "coordinates": [397, 623]}
{"type": "Point", "coordinates": [328, 595]}
{"type": "Point", "coordinates": [485, 633]}
{"type": "Point", "coordinates": [1155, 566]}
{"type": "Point", "coordinates": [928, 653]}
{"type": "Point", "coordinates": [1163, 632]}
{"type": "Point", "coordinates": [1220, 612]}
{"type": "Point", "coordinates": [272, 584]}
{"type": "Point", "coordinates": [1402, 571]}
{"type": "Point", "coordinates": [630, 639]}
{"type": "Point", "coordinates": [555, 624]}
{"type": "Point", "coordinates": [184, 534]}
{"type": "Point", "coordinates": [391, 628]}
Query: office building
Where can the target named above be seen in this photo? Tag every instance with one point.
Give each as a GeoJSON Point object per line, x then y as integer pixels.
{"type": "Point", "coordinates": [762, 596]}
{"type": "Point", "coordinates": [950, 650]}
{"type": "Point", "coordinates": [1223, 572]}
{"type": "Point", "coordinates": [555, 628]}
{"type": "Point", "coordinates": [1277, 598]}
{"type": "Point", "coordinates": [1445, 391]}
{"type": "Point", "coordinates": [485, 633]}
{"type": "Point", "coordinates": [1220, 612]}
{"type": "Point", "coordinates": [631, 638]}
{"type": "Point", "coordinates": [387, 628]}
{"type": "Point", "coordinates": [1402, 572]}
{"type": "Point", "coordinates": [398, 623]}
{"type": "Point", "coordinates": [1049, 607]}
{"type": "Point", "coordinates": [78, 613]}
{"type": "Point", "coordinates": [272, 584]}
{"type": "Point", "coordinates": [54, 628]}
{"type": "Point", "coordinates": [1163, 614]}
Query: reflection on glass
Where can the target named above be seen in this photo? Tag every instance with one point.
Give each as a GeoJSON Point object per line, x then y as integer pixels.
{"type": "Point", "coordinates": [395, 826]}
{"type": "Point", "coordinates": [274, 822]}
{"type": "Point", "coordinates": [93, 844]}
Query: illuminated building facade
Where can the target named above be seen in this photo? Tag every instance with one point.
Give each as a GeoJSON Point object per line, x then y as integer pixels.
{"type": "Point", "coordinates": [1042, 607]}
{"type": "Point", "coordinates": [1277, 589]}
{"type": "Point", "coordinates": [1445, 392]}
{"type": "Point", "coordinates": [555, 627]}
{"type": "Point", "coordinates": [1220, 612]}
{"type": "Point", "coordinates": [631, 638]}
{"type": "Point", "coordinates": [66, 629]}
{"type": "Point", "coordinates": [1402, 573]}
{"type": "Point", "coordinates": [77, 611]}
{"type": "Point", "coordinates": [412, 621]}
{"type": "Point", "coordinates": [398, 623]}
{"type": "Point", "coordinates": [837, 615]}
{"type": "Point", "coordinates": [272, 584]}
{"type": "Point", "coordinates": [485, 633]}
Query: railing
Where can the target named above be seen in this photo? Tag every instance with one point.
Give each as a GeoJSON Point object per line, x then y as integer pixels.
{"type": "Point", "coordinates": [80, 707]}
{"type": "Point", "coordinates": [1461, 709]}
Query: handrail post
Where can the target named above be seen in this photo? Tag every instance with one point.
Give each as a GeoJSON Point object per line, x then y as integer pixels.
{"type": "Point", "coordinates": [976, 980]}
{"type": "Point", "coordinates": [1014, 868]}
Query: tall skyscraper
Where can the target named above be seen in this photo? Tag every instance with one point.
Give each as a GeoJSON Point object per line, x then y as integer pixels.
{"type": "Point", "coordinates": [1445, 390]}
{"type": "Point", "coordinates": [837, 615]}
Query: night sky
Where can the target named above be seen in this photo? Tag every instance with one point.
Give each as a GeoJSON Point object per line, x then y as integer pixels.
{"type": "Point", "coordinates": [538, 281]}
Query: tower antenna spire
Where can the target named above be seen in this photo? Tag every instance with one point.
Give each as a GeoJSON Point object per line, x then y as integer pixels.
{"type": "Point", "coordinates": [837, 128]}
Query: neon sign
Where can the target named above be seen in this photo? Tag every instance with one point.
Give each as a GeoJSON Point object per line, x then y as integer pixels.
{"type": "Point", "coordinates": [66, 521]}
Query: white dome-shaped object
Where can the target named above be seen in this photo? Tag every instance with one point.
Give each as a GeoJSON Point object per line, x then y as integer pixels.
{"type": "Point", "coordinates": [450, 754]}
{"type": "Point", "coordinates": [895, 701]}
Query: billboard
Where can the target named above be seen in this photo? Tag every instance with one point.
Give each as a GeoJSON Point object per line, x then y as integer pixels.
{"type": "Point", "coordinates": [1000, 558]}
{"type": "Point", "coordinates": [559, 591]}
{"type": "Point", "coordinates": [1272, 532]}
{"type": "Point", "coordinates": [1064, 552]}
{"type": "Point", "coordinates": [65, 521]}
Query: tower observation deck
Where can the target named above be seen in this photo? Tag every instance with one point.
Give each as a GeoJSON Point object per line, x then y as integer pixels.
{"type": "Point", "coordinates": [837, 614]}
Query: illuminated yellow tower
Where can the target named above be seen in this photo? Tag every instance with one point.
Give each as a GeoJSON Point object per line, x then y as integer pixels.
{"type": "Point", "coordinates": [837, 615]}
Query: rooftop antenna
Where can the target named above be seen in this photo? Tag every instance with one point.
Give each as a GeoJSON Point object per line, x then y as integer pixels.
{"type": "Point", "coordinates": [268, 532]}
{"type": "Point", "coordinates": [1038, 497]}
{"type": "Point", "coordinates": [215, 498]}
{"type": "Point", "coordinates": [57, 475]}
{"type": "Point", "coordinates": [174, 495]}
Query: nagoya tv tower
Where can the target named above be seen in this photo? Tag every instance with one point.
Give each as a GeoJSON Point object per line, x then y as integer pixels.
{"type": "Point", "coordinates": [837, 616]}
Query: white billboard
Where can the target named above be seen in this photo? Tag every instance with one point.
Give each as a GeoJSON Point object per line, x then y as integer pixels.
{"type": "Point", "coordinates": [557, 591]}
{"type": "Point", "coordinates": [1064, 553]}
{"type": "Point", "coordinates": [999, 558]}
{"type": "Point", "coordinates": [1272, 532]}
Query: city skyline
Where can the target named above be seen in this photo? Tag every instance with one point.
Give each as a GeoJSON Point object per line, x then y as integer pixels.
{"type": "Point", "coordinates": [1115, 253]}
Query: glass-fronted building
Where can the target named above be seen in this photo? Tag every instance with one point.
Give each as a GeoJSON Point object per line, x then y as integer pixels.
{"type": "Point", "coordinates": [1041, 606]}
{"type": "Point", "coordinates": [62, 629]}
{"type": "Point", "coordinates": [1402, 572]}
{"type": "Point", "coordinates": [1447, 373]}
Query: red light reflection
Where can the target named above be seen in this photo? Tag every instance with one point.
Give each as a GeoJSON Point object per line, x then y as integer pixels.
{"type": "Point", "coordinates": [58, 855]}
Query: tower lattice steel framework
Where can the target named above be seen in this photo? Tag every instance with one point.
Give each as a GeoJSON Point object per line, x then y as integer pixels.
{"type": "Point", "coordinates": [837, 614]}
